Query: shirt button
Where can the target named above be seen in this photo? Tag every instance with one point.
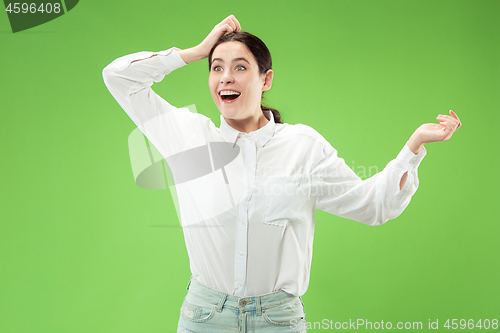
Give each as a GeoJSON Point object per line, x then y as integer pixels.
{"type": "Point", "coordinates": [241, 253]}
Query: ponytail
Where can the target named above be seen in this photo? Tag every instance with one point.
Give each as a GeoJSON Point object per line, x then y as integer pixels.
{"type": "Point", "coordinates": [276, 114]}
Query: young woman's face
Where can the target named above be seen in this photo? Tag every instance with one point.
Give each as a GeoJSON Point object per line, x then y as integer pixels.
{"type": "Point", "coordinates": [235, 82]}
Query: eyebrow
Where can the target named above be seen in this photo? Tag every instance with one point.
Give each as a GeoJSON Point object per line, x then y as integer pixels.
{"type": "Point", "coordinates": [234, 60]}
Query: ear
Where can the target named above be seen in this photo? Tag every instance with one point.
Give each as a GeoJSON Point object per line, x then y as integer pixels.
{"type": "Point", "coordinates": [268, 80]}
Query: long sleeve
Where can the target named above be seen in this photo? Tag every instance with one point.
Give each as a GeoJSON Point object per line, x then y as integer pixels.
{"type": "Point", "coordinates": [372, 201]}
{"type": "Point", "coordinates": [170, 129]}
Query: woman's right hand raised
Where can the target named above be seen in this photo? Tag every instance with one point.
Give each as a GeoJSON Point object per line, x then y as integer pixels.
{"type": "Point", "coordinates": [201, 51]}
{"type": "Point", "coordinates": [228, 25]}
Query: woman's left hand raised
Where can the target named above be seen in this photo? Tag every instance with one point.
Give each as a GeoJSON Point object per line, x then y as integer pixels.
{"type": "Point", "coordinates": [434, 132]}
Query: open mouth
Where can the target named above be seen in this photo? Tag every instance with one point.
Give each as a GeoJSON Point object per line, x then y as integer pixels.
{"type": "Point", "coordinates": [229, 95]}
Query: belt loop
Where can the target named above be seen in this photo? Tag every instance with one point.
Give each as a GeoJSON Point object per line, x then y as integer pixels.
{"type": "Point", "coordinates": [257, 304]}
{"type": "Point", "coordinates": [189, 283]}
{"type": "Point", "coordinates": [221, 302]}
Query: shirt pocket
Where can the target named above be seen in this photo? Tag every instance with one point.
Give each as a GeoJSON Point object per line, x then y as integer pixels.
{"type": "Point", "coordinates": [287, 199]}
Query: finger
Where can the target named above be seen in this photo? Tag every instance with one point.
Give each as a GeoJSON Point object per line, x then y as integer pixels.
{"type": "Point", "coordinates": [453, 123]}
{"type": "Point", "coordinates": [233, 22]}
{"type": "Point", "coordinates": [449, 122]}
{"type": "Point", "coordinates": [454, 115]}
{"type": "Point", "coordinates": [227, 29]}
{"type": "Point", "coordinates": [230, 23]}
{"type": "Point", "coordinates": [443, 117]}
{"type": "Point", "coordinates": [238, 25]}
{"type": "Point", "coordinates": [446, 130]}
{"type": "Point", "coordinates": [224, 22]}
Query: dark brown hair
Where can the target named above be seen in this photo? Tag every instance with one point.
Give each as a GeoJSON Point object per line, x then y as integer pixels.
{"type": "Point", "coordinates": [259, 51]}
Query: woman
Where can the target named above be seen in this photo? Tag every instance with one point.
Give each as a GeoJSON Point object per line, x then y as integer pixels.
{"type": "Point", "coordinates": [248, 190]}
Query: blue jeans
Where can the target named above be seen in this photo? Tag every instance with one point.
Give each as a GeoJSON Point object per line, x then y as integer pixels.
{"type": "Point", "coordinates": [206, 310]}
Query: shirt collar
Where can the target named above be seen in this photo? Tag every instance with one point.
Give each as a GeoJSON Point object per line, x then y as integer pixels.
{"type": "Point", "coordinates": [262, 135]}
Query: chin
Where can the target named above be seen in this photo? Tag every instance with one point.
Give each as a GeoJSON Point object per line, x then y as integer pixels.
{"type": "Point", "coordinates": [231, 114]}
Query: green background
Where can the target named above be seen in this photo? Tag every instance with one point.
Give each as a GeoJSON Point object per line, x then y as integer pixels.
{"type": "Point", "coordinates": [84, 249]}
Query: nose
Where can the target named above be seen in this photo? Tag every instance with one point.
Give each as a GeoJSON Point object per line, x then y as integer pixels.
{"type": "Point", "coordinates": [226, 77]}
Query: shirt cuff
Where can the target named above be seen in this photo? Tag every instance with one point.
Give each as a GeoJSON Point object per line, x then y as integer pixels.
{"type": "Point", "coordinates": [171, 59]}
{"type": "Point", "coordinates": [408, 159]}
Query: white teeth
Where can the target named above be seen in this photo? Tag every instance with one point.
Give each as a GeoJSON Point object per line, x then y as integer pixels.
{"type": "Point", "coordinates": [229, 92]}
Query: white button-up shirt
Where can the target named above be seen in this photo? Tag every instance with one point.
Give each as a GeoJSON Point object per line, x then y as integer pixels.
{"type": "Point", "coordinates": [247, 200]}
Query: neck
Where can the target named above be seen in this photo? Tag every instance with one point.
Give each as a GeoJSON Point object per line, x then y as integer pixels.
{"type": "Point", "coordinates": [249, 124]}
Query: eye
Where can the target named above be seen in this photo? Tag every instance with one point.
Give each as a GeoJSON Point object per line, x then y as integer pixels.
{"type": "Point", "coordinates": [217, 68]}
{"type": "Point", "coordinates": [241, 68]}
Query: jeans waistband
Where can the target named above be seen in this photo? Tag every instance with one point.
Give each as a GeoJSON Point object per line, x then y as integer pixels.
{"type": "Point", "coordinates": [249, 303]}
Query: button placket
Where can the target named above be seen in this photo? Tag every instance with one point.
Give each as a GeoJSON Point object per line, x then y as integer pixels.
{"type": "Point", "coordinates": [242, 227]}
